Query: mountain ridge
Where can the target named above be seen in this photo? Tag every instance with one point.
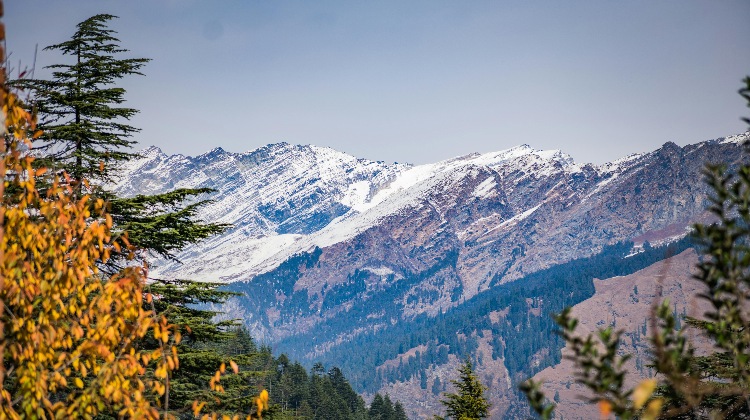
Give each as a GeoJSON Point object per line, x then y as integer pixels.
{"type": "Point", "coordinates": [462, 225]}
{"type": "Point", "coordinates": [280, 229]}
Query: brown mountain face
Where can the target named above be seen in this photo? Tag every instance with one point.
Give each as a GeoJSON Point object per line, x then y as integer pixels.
{"type": "Point", "coordinates": [423, 403]}
{"type": "Point", "coordinates": [626, 303]}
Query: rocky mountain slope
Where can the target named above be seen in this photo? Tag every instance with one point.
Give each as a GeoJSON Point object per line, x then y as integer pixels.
{"type": "Point", "coordinates": [273, 196]}
{"type": "Point", "coordinates": [627, 304]}
{"type": "Point", "coordinates": [332, 251]}
{"type": "Point", "coordinates": [498, 215]}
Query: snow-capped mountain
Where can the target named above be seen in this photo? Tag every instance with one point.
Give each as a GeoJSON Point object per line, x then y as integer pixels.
{"type": "Point", "coordinates": [465, 224]}
{"type": "Point", "coordinates": [273, 196]}
{"type": "Point", "coordinates": [285, 199]}
{"type": "Point", "coordinates": [331, 251]}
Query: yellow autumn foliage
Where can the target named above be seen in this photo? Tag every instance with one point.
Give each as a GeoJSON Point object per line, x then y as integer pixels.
{"type": "Point", "coordinates": [67, 333]}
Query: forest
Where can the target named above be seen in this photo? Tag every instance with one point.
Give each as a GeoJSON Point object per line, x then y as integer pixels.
{"type": "Point", "coordinates": [523, 333]}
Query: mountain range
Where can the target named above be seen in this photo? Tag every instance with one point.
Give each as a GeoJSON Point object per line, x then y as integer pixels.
{"type": "Point", "coordinates": [425, 265]}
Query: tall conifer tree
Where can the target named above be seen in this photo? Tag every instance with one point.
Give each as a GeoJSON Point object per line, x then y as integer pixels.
{"type": "Point", "coordinates": [87, 135]}
{"type": "Point", "coordinates": [377, 408]}
{"type": "Point", "coordinates": [80, 110]}
{"type": "Point", "coordinates": [398, 412]}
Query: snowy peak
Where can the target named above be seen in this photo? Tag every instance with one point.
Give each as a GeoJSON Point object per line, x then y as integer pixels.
{"type": "Point", "coordinates": [283, 199]}
{"type": "Point", "coordinates": [151, 151]}
{"type": "Point", "coordinates": [737, 138]}
{"type": "Point", "coordinates": [215, 153]}
{"type": "Point", "coordinates": [523, 157]}
{"type": "Point", "coordinates": [273, 196]}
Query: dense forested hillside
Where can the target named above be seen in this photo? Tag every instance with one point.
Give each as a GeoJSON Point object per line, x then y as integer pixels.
{"type": "Point", "coordinates": [513, 317]}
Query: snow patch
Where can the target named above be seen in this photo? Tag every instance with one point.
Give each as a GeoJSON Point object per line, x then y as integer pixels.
{"type": "Point", "coordinates": [485, 188]}
{"type": "Point", "coordinates": [737, 138]}
{"type": "Point", "coordinates": [517, 218]}
{"type": "Point", "coordinates": [383, 271]}
{"type": "Point", "coordinates": [357, 195]}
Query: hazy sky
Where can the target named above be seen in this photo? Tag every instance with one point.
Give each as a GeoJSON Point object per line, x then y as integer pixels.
{"type": "Point", "coordinates": [418, 81]}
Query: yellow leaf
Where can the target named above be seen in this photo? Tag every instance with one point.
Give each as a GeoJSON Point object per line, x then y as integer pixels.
{"type": "Point", "coordinates": [605, 408]}
{"type": "Point", "coordinates": [81, 327]}
{"type": "Point", "coordinates": [262, 402]}
{"type": "Point", "coordinates": [197, 407]}
{"type": "Point", "coordinates": [643, 392]}
{"type": "Point", "coordinates": [653, 409]}
{"type": "Point", "coordinates": [234, 366]}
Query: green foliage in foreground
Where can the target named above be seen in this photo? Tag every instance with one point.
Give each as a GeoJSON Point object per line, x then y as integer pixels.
{"type": "Point", "coordinates": [164, 223]}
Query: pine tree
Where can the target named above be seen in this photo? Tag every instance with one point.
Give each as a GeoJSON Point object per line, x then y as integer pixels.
{"type": "Point", "coordinates": [163, 224]}
{"type": "Point", "coordinates": [86, 135]}
{"type": "Point", "coordinates": [299, 392]}
{"type": "Point", "coordinates": [325, 399]}
{"type": "Point", "coordinates": [436, 387]}
{"type": "Point", "coordinates": [205, 346]}
{"type": "Point", "coordinates": [388, 411]}
{"type": "Point", "coordinates": [377, 407]}
{"type": "Point", "coordinates": [343, 389]}
{"type": "Point", "coordinates": [398, 412]}
{"type": "Point", "coordinates": [469, 403]}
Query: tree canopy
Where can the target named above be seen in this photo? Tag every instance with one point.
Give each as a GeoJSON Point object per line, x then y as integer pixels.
{"type": "Point", "coordinates": [86, 135]}
{"type": "Point", "coordinates": [84, 124]}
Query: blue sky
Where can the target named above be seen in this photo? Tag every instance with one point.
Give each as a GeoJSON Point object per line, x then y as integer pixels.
{"type": "Point", "coordinates": [418, 81]}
